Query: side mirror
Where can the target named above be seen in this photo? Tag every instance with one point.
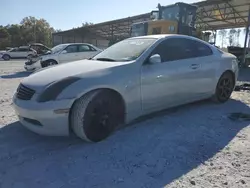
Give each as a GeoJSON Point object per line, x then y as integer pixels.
{"type": "Point", "coordinates": [156, 58]}
{"type": "Point", "coordinates": [63, 52]}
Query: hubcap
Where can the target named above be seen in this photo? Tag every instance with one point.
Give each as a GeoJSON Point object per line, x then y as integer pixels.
{"type": "Point", "coordinates": [225, 88]}
{"type": "Point", "coordinates": [101, 116]}
{"type": "Point", "coordinates": [100, 119]}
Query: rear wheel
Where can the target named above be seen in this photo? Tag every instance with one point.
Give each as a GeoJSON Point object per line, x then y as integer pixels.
{"type": "Point", "coordinates": [224, 88]}
{"type": "Point", "coordinates": [96, 115]}
{"type": "Point", "coordinates": [6, 57]}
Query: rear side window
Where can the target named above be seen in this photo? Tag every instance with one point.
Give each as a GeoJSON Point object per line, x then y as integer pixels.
{"type": "Point", "coordinates": [84, 48]}
{"type": "Point", "coordinates": [23, 49]}
{"type": "Point", "coordinates": [202, 49]}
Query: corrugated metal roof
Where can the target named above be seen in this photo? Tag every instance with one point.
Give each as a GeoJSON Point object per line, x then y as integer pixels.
{"type": "Point", "coordinates": [211, 15]}
{"type": "Point", "coordinates": [222, 14]}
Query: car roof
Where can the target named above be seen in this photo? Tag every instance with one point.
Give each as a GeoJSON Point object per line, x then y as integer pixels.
{"type": "Point", "coordinates": [159, 36]}
{"type": "Point", "coordinates": [76, 43]}
{"type": "Point", "coordinates": [156, 36]}
{"type": "Point", "coordinates": [23, 47]}
{"type": "Point", "coordinates": [162, 36]}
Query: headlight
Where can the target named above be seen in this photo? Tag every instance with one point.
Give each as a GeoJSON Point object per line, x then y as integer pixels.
{"type": "Point", "coordinates": [54, 89]}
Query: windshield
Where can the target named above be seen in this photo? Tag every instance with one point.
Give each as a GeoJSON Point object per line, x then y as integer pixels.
{"type": "Point", "coordinates": [170, 13]}
{"type": "Point", "coordinates": [58, 48]}
{"type": "Point", "coordinates": [138, 29]}
{"type": "Point", "coordinates": [126, 50]}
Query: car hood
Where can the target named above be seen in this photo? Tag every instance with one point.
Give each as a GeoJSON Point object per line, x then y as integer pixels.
{"type": "Point", "coordinates": [82, 68]}
{"type": "Point", "coordinates": [45, 57]}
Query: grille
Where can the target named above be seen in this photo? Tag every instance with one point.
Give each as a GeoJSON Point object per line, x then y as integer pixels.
{"type": "Point", "coordinates": [24, 93]}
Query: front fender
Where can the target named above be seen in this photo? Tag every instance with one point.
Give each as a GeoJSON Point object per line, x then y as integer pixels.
{"type": "Point", "coordinates": [50, 56]}
{"type": "Point", "coordinates": [129, 89]}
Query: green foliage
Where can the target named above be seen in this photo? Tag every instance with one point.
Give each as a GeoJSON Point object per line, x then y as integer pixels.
{"type": "Point", "coordinates": [28, 31]}
{"type": "Point", "coordinates": [232, 37]}
{"type": "Point", "coordinates": [86, 24]}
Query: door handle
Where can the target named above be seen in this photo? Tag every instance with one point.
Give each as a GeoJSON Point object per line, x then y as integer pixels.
{"type": "Point", "coordinates": [194, 66]}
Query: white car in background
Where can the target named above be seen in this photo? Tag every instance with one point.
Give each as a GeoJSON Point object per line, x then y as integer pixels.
{"type": "Point", "coordinates": [21, 52]}
{"type": "Point", "coordinates": [64, 53]}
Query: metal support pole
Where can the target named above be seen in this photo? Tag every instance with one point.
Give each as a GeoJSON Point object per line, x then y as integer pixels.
{"type": "Point", "coordinates": [215, 36]}
{"type": "Point", "coordinates": [245, 44]}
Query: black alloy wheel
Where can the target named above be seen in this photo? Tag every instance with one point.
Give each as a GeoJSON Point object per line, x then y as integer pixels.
{"type": "Point", "coordinates": [225, 87]}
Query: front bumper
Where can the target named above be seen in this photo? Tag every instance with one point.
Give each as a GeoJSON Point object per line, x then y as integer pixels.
{"type": "Point", "coordinates": [34, 66]}
{"type": "Point", "coordinates": [42, 118]}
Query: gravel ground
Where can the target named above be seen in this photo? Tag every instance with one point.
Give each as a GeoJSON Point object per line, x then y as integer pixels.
{"type": "Point", "coordinates": [193, 146]}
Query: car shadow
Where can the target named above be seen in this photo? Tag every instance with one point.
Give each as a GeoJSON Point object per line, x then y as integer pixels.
{"type": "Point", "coordinates": [16, 75]}
{"type": "Point", "coordinates": [150, 153]}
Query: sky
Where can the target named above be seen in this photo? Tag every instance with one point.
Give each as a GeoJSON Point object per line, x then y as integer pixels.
{"type": "Point", "coordinates": [66, 14]}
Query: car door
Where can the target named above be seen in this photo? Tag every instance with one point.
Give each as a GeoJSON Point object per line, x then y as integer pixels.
{"type": "Point", "coordinates": [173, 81]}
{"type": "Point", "coordinates": [23, 52]}
{"type": "Point", "coordinates": [14, 53]}
{"type": "Point", "coordinates": [207, 70]}
{"type": "Point", "coordinates": [71, 54]}
{"type": "Point", "coordinates": [193, 71]}
{"type": "Point", "coordinates": [86, 51]}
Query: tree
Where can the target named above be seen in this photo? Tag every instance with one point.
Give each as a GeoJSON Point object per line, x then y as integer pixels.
{"type": "Point", "coordinates": [4, 33]}
{"type": "Point", "coordinates": [238, 36]}
{"type": "Point", "coordinates": [244, 31]}
{"type": "Point", "coordinates": [86, 24]}
{"type": "Point", "coordinates": [37, 30]}
{"type": "Point", "coordinates": [231, 37]}
{"type": "Point", "coordinates": [57, 31]}
{"type": "Point", "coordinates": [28, 31]}
{"type": "Point", "coordinates": [4, 38]}
{"type": "Point", "coordinates": [222, 34]}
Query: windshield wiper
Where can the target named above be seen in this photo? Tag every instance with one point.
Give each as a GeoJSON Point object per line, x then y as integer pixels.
{"type": "Point", "coordinates": [104, 59]}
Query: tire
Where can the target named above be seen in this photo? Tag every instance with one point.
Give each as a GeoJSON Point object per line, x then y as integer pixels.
{"type": "Point", "coordinates": [96, 115]}
{"type": "Point", "coordinates": [224, 88]}
{"type": "Point", "coordinates": [51, 63]}
{"type": "Point", "coordinates": [6, 57]}
{"type": "Point", "coordinates": [29, 56]}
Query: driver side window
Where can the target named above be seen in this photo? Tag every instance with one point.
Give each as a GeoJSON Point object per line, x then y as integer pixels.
{"type": "Point", "coordinates": [174, 49]}
{"type": "Point", "coordinates": [71, 49]}
{"type": "Point", "coordinates": [13, 50]}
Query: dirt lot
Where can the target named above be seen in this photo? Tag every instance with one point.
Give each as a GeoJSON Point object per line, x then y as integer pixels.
{"type": "Point", "coordinates": [193, 146]}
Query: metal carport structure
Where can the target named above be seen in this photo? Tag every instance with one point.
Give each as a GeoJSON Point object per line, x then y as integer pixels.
{"type": "Point", "coordinates": [211, 15]}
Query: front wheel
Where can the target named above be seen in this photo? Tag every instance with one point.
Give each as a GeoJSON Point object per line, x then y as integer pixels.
{"type": "Point", "coordinates": [29, 57]}
{"type": "Point", "coordinates": [224, 88]}
{"type": "Point", "coordinates": [6, 57]}
{"type": "Point", "coordinates": [49, 62]}
{"type": "Point", "coordinates": [96, 115]}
